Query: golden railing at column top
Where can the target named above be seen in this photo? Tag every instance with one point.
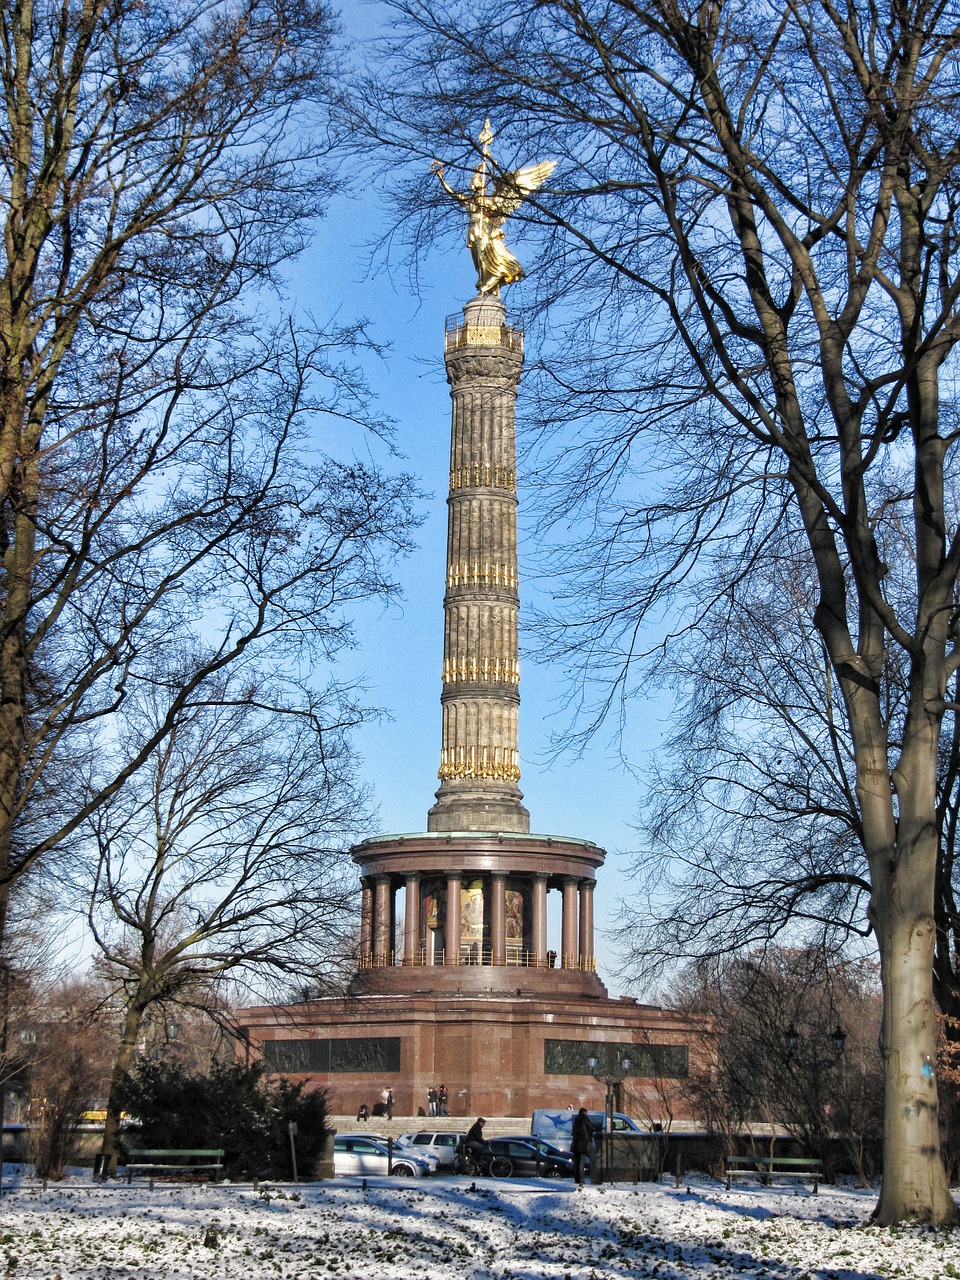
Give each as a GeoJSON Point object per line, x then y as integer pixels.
{"type": "Point", "coordinates": [459, 335]}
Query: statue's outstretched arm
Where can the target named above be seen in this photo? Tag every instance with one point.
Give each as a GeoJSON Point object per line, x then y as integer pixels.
{"type": "Point", "coordinates": [437, 168]}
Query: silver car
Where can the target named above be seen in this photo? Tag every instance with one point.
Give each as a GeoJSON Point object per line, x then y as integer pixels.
{"type": "Point", "coordinates": [360, 1156]}
{"type": "Point", "coordinates": [442, 1145]}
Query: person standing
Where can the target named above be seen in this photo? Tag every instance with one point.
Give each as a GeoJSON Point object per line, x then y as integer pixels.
{"type": "Point", "coordinates": [431, 1101]}
{"type": "Point", "coordinates": [442, 1100]}
{"type": "Point", "coordinates": [581, 1144]}
{"type": "Point", "coordinates": [389, 1102]}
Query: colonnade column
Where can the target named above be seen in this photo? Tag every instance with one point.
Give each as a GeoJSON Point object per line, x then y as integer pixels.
{"type": "Point", "coordinates": [568, 927]}
{"type": "Point", "coordinates": [498, 918]}
{"type": "Point", "coordinates": [366, 922]}
{"type": "Point", "coordinates": [451, 942]}
{"type": "Point", "coordinates": [382, 922]}
{"type": "Point", "coordinates": [411, 918]}
{"type": "Point", "coordinates": [586, 926]}
{"type": "Point", "coordinates": [539, 912]}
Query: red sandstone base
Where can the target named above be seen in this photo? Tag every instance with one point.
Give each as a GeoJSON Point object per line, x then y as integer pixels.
{"type": "Point", "coordinates": [497, 1056]}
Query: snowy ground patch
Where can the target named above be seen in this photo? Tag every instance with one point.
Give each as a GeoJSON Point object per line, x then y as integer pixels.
{"type": "Point", "coordinates": [447, 1227]}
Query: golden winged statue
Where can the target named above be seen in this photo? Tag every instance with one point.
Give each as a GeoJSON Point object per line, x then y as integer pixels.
{"type": "Point", "coordinates": [487, 211]}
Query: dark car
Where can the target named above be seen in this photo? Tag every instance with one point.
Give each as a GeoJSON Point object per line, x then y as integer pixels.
{"type": "Point", "coordinates": [543, 1146]}
{"type": "Point", "coordinates": [528, 1162]}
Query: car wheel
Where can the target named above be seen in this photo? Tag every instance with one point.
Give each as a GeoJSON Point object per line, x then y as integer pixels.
{"type": "Point", "coordinates": [553, 1172]}
{"type": "Point", "coordinates": [402, 1171]}
{"type": "Point", "coordinates": [501, 1167]}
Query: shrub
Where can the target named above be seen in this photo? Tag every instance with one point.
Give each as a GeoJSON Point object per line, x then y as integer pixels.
{"type": "Point", "coordinates": [233, 1107]}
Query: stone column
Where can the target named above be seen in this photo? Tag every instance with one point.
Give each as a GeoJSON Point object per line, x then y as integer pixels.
{"type": "Point", "coordinates": [498, 918]}
{"type": "Point", "coordinates": [568, 928]}
{"type": "Point", "coordinates": [383, 923]}
{"type": "Point", "coordinates": [366, 923]}
{"type": "Point", "coordinates": [539, 913]}
{"type": "Point", "coordinates": [411, 919]}
{"type": "Point", "coordinates": [479, 757]}
{"type": "Point", "coordinates": [451, 941]}
{"type": "Point", "coordinates": [587, 961]}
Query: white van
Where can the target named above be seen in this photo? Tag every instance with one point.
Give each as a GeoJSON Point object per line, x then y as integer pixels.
{"type": "Point", "coordinates": [557, 1126]}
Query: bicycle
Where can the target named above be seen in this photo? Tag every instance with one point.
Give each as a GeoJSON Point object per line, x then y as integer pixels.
{"type": "Point", "coordinates": [483, 1164]}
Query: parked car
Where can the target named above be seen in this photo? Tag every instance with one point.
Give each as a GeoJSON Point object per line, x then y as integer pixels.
{"type": "Point", "coordinates": [528, 1161]}
{"type": "Point", "coordinates": [442, 1145]}
{"type": "Point", "coordinates": [425, 1153]}
{"type": "Point", "coordinates": [545, 1148]}
{"type": "Point", "coordinates": [359, 1155]}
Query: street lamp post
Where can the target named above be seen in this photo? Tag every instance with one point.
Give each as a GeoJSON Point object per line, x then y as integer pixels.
{"type": "Point", "coordinates": [612, 1078]}
{"type": "Point", "coordinates": [815, 1061]}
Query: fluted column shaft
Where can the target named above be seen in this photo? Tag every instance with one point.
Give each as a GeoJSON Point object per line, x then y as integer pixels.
{"type": "Point", "coordinates": [411, 918]}
{"type": "Point", "coordinates": [568, 926]}
{"type": "Point", "coordinates": [383, 922]}
{"type": "Point", "coordinates": [539, 921]}
{"type": "Point", "coordinates": [452, 932]}
{"type": "Point", "coordinates": [366, 922]}
{"type": "Point", "coordinates": [586, 925]}
{"type": "Point", "coordinates": [479, 757]}
{"type": "Point", "coordinates": [498, 918]}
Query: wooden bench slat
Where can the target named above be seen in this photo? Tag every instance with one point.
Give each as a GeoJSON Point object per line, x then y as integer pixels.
{"type": "Point", "coordinates": [177, 1151]}
{"type": "Point", "coordinates": [775, 1166]}
{"type": "Point", "coordinates": [173, 1160]}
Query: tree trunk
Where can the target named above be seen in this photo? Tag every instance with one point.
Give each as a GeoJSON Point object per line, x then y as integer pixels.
{"type": "Point", "coordinates": [915, 1185]}
{"type": "Point", "coordinates": [914, 1181]}
{"type": "Point", "coordinates": [121, 1070]}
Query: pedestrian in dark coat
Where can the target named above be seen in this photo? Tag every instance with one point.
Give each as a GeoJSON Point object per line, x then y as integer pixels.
{"type": "Point", "coordinates": [582, 1142]}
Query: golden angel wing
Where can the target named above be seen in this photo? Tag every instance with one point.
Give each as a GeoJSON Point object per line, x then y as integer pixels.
{"type": "Point", "coordinates": [511, 189]}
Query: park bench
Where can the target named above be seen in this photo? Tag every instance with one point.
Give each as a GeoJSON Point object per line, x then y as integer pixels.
{"type": "Point", "coordinates": [163, 1160]}
{"type": "Point", "coordinates": [769, 1167]}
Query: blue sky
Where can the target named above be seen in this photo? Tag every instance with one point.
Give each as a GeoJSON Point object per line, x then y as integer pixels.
{"type": "Point", "coordinates": [400, 648]}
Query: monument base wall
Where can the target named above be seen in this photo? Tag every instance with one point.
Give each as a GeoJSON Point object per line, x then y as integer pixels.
{"type": "Point", "coordinates": [496, 1056]}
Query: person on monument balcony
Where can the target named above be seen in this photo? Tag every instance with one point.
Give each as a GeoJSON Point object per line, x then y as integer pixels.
{"type": "Point", "coordinates": [431, 1101]}
{"type": "Point", "coordinates": [443, 1099]}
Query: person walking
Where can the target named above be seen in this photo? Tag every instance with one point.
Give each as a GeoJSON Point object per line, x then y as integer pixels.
{"type": "Point", "coordinates": [442, 1100]}
{"type": "Point", "coordinates": [431, 1101]}
{"type": "Point", "coordinates": [581, 1143]}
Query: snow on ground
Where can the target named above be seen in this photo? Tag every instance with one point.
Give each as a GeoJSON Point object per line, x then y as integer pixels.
{"type": "Point", "coordinates": [443, 1228]}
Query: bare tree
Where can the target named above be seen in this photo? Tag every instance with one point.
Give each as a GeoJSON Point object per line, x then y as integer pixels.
{"type": "Point", "coordinates": [751, 238]}
{"type": "Point", "coordinates": [752, 826]}
{"type": "Point", "coordinates": [65, 1072]}
{"type": "Point", "coordinates": [167, 467]}
{"type": "Point", "coordinates": [777, 1063]}
{"type": "Point", "coordinates": [225, 855]}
